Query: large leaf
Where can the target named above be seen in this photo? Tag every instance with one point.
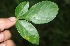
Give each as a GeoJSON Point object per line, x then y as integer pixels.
{"type": "Point", "coordinates": [42, 12]}
{"type": "Point", "coordinates": [21, 9]}
{"type": "Point", "coordinates": [27, 31]}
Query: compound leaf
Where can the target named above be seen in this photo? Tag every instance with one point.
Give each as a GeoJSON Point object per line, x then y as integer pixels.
{"type": "Point", "coordinates": [42, 12]}
{"type": "Point", "coordinates": [27, 31]}
{"type": "Point", "coordinates": [21, 9]}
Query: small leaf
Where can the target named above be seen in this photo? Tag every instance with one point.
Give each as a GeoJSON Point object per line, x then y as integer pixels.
{"type": "Point", "coordinates": [27, 31]}
{"type": "Point", "coordinates": [42, 12]}
{"type": "Point", "coordinates": [21, 9]}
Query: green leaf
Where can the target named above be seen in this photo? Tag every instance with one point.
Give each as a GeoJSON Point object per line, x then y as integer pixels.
{"type": "Point", "coordinates": [21, 9]}
{"type": "Point", "coordinates": [27, 31]}
{"type": "Point", "coordinates": [42, 12]}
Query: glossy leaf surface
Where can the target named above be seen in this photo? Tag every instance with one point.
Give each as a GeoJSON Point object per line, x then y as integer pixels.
{"type": "Point", "coordinates": [21, 9]}
{"type": "Point", "coordinates": [42, 12]}
{"type": "Point", "coordinates": [27, 31]}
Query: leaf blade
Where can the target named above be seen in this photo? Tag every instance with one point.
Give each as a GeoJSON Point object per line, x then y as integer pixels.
{"type": "Point", "coordinates": [42, 12]}
{"type": "Point", "coordinates": [21, 9]}
{"type": "Point", "coordinates": [28, 31]}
